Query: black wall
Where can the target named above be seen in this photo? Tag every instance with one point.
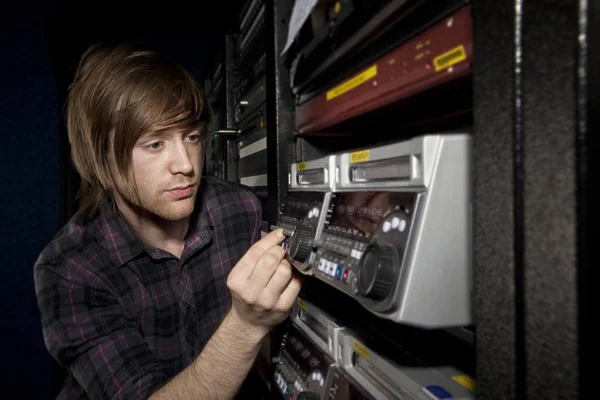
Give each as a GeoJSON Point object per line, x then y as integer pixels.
{"type": "Point", "coordinates": [29, 212]}
{"type": "Point", "coordinates": [40, 43]}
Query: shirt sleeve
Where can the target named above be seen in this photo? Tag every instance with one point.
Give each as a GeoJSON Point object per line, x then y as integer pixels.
{"type": "Point", "coordinates": [87, 331]}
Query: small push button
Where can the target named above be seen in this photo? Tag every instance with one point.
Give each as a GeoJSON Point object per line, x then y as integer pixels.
{"type": "Point", "coordinates": [339, 273]}
{"type": "Point", "coordinates": [345, 275]}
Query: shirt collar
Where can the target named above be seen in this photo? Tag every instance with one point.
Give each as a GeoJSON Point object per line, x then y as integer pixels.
{"type": "Point", "coordinates": [124, 245]}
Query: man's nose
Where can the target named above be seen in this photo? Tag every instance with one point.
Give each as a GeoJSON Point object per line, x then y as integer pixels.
{"type": "Point", "coordinates": [180, 160]}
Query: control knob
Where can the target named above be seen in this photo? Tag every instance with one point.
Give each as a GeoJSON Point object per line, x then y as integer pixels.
{"type": "Point", "coordinates": [301, 243]}
{"type": "Point", "coordinates": [377, 272]}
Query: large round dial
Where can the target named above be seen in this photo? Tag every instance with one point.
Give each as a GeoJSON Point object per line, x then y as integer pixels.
{"type": "Point", "coordinates": [377, 272]}
{"type": "Point", "coordinates": [301, 243]}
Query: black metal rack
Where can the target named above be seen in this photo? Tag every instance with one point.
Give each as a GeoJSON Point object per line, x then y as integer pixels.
{"type": "Point", "coordinates": [534, 92]}
{"type": "Point", "coordinates": [534, 88]}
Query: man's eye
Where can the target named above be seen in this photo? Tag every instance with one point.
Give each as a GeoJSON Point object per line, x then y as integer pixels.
{"type": "Point", "coordinates": [194, 138]}
{"type": "Point", "coordinates": [155, 146]}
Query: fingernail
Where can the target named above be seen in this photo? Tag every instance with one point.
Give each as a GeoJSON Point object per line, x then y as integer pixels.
{"type": "Point", "coordinates": [280, 232]}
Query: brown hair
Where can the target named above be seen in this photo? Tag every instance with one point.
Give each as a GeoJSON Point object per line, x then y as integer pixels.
{"type": "Point", "coordinates": [118, 94]}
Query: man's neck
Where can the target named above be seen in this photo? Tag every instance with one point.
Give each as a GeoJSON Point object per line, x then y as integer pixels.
{"type": "Point", "coordinates": [155, 231]}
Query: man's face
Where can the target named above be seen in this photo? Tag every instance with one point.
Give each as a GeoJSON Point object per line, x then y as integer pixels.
{"type": "Point", "coordinates": [167, 170]}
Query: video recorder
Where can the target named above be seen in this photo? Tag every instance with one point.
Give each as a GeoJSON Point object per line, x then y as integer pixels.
{"type": "Point", "coordinates": [390, 226]}
{"type": "Point", "coordinates": [322, 358]}
{"type": "Point", "coordinates": [385, 379]}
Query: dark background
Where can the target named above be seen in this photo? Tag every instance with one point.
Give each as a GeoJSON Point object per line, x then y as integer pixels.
{"type": "Point", "coordinates": [40, 43]}
{"type": "Point", "coordinates": [534, 210]}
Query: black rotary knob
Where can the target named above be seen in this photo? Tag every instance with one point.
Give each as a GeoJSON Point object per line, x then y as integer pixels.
{"type": "Point", "coordinates": [301, 244]}
{"type": "Point", "coordinates": [377, 272]}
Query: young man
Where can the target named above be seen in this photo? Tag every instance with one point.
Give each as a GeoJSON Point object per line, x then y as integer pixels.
{"type": "Point", "coordinates": [159, 287]}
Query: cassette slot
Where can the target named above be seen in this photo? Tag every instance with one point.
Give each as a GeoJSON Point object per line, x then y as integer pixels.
{"type": "Point", "coordinates": [397, 168]}
{"type": "Point", "coordinates": [398, 165]}
{"type": "Point", "coordinates": [313, 324]}
{"type": "Point", "coordinates": [312, 177]}
{"type": "Point", "coordinates": [318, 325]}
{"type": "Point", "coordinates": [318, 174]}
{"type": "Point", "coordinates": [381, 382]}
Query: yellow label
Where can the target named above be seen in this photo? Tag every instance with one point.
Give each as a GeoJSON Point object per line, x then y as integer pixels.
{"type": "Point", "coordinates": [466, 381]}
{"type": "Point", "coordinates": [303, 304]}
{"type": "Point", "coordinates": [360, 349]}
{"type": "Point", "coordinates": [351, 83]}
{"type": "Point", "coordinates": [301, 166]}
{"type": "Point", "coordinates": [337, 7]}
{"type": "Point", "coordinates": [359, 156]}
{"type": "Point", "coordinates": [450, 58]}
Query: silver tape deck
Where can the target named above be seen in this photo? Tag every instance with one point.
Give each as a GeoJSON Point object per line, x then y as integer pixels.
{"type": "Point", "coordinates": [390, 226]}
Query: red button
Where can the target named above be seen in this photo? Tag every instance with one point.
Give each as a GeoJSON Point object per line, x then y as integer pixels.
{"type": "Point", "coordinates": [344, 275]}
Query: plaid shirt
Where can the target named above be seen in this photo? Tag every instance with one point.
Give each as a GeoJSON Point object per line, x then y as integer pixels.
{"type": "Point", "coordinates": [123, 317]}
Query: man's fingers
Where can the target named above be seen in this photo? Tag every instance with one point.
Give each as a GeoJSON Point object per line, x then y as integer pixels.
{"type": "Point", "coordinates": [289, 295]}
{"type": "Point", "coordinates": [279, 280]}
{"type": "Point", "coordinates": [264, 268]}
{"type": "Point", "coordinates": [249, 260]}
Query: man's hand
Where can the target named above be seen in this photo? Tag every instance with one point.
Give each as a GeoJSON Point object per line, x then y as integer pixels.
{"type": "Point", "coordinates": [264, 288]}
{"type": "Point", "coordinates": [263, 285]}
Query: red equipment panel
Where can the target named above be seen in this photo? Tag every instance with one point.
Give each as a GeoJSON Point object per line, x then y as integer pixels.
{"type": "Point", "coordinates": [438, 55]}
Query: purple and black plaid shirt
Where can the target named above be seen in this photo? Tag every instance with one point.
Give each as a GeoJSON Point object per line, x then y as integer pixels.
{"type": "Point", "coordinates": [123, 317]}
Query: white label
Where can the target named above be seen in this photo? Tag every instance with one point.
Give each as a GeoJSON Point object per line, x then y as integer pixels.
{"type": "Point", "coordinates": [300, 13]}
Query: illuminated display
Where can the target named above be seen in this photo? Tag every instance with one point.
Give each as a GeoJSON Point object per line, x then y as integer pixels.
{"type": "Point", "coordinates": [363, 211]}
{"type": "Point", "coordinates": [305, 355]}
{"type": "Point", "coordinates": [298, 204]}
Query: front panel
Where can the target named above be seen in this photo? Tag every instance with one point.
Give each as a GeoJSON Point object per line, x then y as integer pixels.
{"type": "Point", "coordinates": [318, 325]}
{"type": "Point", "coordinates": [383, 379]}
{"type": "Point", "coordinates": [302, 367]}
{"type": "Point", "coordinates": [397, 233]}
{"type": "Point", "coordinates": [303, 213]}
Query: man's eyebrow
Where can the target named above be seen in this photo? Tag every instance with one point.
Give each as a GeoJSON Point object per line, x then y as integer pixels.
{"type": "Point", "coordinates": [153, 135]}
{"type": "Point", "coordinates": [163, 133]}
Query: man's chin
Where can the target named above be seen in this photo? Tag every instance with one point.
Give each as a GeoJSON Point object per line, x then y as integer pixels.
{"type": "Point", "coordinates": [175, 211]}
